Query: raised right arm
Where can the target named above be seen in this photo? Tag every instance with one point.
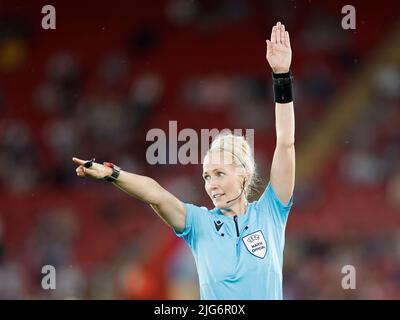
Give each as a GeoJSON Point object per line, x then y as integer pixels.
{"type": "Point", "coordinates": [170, 209]}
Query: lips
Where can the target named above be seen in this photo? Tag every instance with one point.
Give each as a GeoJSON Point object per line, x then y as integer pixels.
{"type": "Point", "coordinates": [217, 195]}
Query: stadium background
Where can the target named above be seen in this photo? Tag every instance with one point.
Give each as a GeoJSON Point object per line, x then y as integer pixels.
{"type": "Point", "coordinates": [111, 71]}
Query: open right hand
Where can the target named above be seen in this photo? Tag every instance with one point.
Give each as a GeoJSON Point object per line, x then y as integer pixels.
{"type": "Point", "coordinates": [279, 53]}
{"type": "Point", "coordinates": [96, 171]}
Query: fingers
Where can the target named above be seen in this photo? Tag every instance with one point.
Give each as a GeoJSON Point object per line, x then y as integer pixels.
{"type": "Point", "coordinates": [83, 170]}
{"type": "Point", "coordinates": [80, 171]}
{"type": "Point", "coordinates": [78, 161]}
{"type": "Point", "coordinates": [273, 35]}
{"type": "Point", "coordinates": [91, 172]}
{"type": "Point", "coordinates": [279, 35]}
{"type": "Point", "coordinates": [287, 39]}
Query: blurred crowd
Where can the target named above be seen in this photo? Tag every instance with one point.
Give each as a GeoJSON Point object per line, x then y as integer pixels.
{"type": "Point", "coordinates": [101, 105]}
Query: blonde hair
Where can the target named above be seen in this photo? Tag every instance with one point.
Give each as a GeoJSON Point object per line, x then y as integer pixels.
{"type": "Point", "coordinates": [242, 156]}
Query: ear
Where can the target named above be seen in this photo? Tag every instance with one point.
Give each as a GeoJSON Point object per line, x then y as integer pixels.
{"type": "Point", "coordinates": [244, 181]}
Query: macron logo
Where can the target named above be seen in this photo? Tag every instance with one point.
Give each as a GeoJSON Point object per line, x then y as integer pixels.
{"type": "Point", "coordinates": [218, 224]}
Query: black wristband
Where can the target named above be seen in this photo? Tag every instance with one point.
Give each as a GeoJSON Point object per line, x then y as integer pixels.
{"type": "Point", "coordinates": [114, 175]}
{"type": "Point", "coordinates": [283, 89]}
{"type": "Point", "coordinates": [115, 172]}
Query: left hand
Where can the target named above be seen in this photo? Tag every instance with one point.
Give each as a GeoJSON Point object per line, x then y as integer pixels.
{"type": "Point", "coordinates": [97, 170]}
{"type": "Point", "coordinates": [279, 53]}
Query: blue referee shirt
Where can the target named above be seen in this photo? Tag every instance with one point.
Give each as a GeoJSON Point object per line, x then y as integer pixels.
{"type": "Point", "coordinates": [239, 258]}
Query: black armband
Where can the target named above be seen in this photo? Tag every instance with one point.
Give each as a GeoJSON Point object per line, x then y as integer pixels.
{"type": "Point", "coordinates": [283, 89]}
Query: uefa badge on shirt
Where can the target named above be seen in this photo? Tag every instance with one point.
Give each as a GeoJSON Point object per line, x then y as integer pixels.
{"type": "Point", "coordinates": [256, 244]}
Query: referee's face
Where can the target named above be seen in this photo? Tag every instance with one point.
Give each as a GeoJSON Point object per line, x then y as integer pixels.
{"type": "Point", "coordinates": [221, 180]}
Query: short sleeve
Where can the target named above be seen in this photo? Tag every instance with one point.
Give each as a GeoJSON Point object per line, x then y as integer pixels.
{"type": "Point", "coordinates": [192, 221]}
{"type": "Point", "coordinates": [269, 202]}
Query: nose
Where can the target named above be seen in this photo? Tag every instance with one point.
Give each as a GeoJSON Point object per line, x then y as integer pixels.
{"type": "Point", "coordinates": [212, 184]}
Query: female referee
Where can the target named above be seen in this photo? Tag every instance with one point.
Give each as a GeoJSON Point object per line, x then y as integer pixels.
{"type": "Point", "coordinates": [238, 246]}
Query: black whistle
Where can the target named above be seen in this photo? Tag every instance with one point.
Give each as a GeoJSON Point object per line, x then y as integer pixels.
{"type": "Point", "coordinates": [89, 163]}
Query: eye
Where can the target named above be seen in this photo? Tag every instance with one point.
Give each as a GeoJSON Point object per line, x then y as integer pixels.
{"type": "Point", "coordinates": [220, 174]}
{"type": "Point", "coordinates": [206, 177]}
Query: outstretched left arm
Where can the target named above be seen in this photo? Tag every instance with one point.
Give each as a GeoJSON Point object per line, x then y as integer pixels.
{"type": "Point", "coordinates": [282, 176]}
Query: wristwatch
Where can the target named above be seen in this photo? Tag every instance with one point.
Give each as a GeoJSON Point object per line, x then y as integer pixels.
{"type": "Point", "coordinates": [115, 172]}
